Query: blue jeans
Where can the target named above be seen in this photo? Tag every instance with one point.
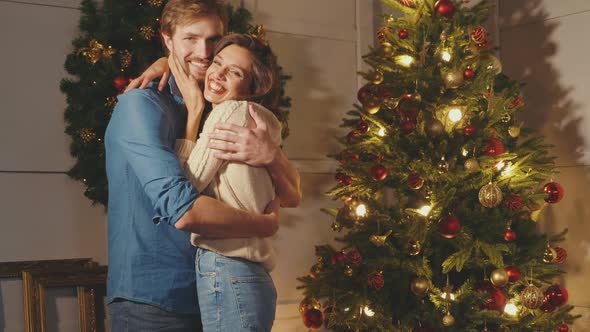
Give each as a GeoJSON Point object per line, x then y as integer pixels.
{"type": "Point", "coordinates": [234, 294]}
{"type": "Point", "coordinates": [128, 316]}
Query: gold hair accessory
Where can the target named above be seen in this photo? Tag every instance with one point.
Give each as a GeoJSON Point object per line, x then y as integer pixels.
{"type": "Point", "coordinates": [260, 34]}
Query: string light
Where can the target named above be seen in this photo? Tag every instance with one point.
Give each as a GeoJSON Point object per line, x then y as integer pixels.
{"type": "Point", "coordinates": [425, 210]}
{"type": "Point", "coordinates": [455, 114]}
{"type": "Point", "coordinates": [368, 311]}
{"type": "Point", "coordinates": [508, 169]}
{"type": "Point", "coordinates": [381, 132]}
{"type": "Point", "coordinates": [361, 210]}
{"type": "Point", "coordinates": [446, 56]}
{"type": "Point", "coordinates": [404, 60]}
{"type": "Point", "coordinates": [511, 309]}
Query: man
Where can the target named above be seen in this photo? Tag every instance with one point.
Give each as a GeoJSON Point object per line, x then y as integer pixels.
{"type": "Point", "coordinates": [152, 204]}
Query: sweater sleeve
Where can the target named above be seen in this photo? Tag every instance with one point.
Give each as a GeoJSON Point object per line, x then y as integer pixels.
{"type": "Point", "coordinates": [201, 164]}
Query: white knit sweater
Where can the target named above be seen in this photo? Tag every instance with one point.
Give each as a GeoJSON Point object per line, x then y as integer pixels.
{"type": "Point", "coordinates": [236, 184]}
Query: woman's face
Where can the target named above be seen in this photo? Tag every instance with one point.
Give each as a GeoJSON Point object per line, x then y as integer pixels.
{"type": "Point", "coordinates": [229, 75]}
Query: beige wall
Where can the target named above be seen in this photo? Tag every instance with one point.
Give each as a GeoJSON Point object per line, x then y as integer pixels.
{"type": "Point", "coordinates": [543, 43]}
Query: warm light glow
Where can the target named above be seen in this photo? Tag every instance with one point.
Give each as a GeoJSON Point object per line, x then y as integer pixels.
{"type": "Point", "coordinates": [446, 56]}
{"type": "Point", "coordinates": [455, 114]}
{"type": "Point", "coordinates": [500, 165]}
{"type": "Point", "coordinates": [507, 170]}
{"type": "Point", "coordinates": [404, 60]}
{"type": "Point", "coordinates": [346, 309]}
{"type": "Point", "coordinates": [448, 296]}
{"type": "Point", "coordinates": [511, 309]}
{"type": "Point", "coordinates": [425, 210]}
{"type": "Point", "coordinates": [381, 132]}
{"type": "Point", "coordinates": [368, 311]}
{"type": "Point", "coordinates": [464, 152]}
{"type": "Point", "coordinates": [361, 210]}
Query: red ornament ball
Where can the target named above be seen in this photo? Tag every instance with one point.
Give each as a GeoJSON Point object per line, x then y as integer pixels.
{"type": "Point", "coordinates": [362, 127]}
{"type": "Point", "coordinates": [444, 8]}
{"type": "Point", "coordinates": [120, 83]}
{"type": "Point", "coordinates": [313, 318]}
{"type": "Point", "coordinates": [513, 273]}
{"type": "Point", "coordinates": [561, 255]}
{"type": "Point", "coordinates": [379, 172]}
{"type": "Point", "coordinates": [363, 93]}
{"type": "Point", "coordinates": [376, 280]}
{"type": "Point", "coordinates": [449, 227]}
{"type": "Point", "coordinates": [343, 179]}
{"type": "Point", "coordinates": [415, 181]}
{"type": "Point", "coordinates": [353, 256]}
{"type": "Point", "coordinates": [546, 307]}
{"type": "Point", "coordinates": [407, 127]}
{"type": "Point", "coordinates": [355, 157]}
{"type": "Point", "coordinates": [468, 73]}
{"type": "Point", "coordinates": [509, 235]}
{"type": "Point", "coordinates": [479, 35]}
{"type": "Point", "coordinates": [556, 295]}
{"type": "Point", "coordinates": [518, 101]}
{"type": "Point", "coordinates": [563, 328]}
{"type": "Point", "coordinates": [497, 298]}
{"type": "Point", "coordinates": [513, 202]}
{"type": "Point", "coordinates": [469, 130]}
{"type": "Point", "coordinates": [403, 33]}
{"type": "Point", "coordinates": [494, 147]}
{"type": "Point", "coordinates": [554, 192]}
{"type": "Point", "coordinates": [337, 258]}
{"type": "Point", "coordinates": [352, 136]}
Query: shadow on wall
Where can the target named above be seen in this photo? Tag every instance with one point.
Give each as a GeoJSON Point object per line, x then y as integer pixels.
{"type": "Point", "coordinates": [529, 52]}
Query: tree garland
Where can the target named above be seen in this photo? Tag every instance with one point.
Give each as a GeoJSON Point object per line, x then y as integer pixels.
{"type": "Point", "coordinates": [116, 43]}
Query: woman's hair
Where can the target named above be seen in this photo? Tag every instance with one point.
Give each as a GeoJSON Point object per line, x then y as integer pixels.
{"type": "Point", "coordinates": [264, 65]}
{"type": "Point", "coordinates": [181, 12]}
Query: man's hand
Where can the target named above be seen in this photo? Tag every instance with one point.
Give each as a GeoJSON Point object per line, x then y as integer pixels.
{"type": "Point", "coordinates": [272, 212]}
{"type": "Point", "coordinates": [252, 146]}
{"type": "Point", "coordinates": [157, 69]}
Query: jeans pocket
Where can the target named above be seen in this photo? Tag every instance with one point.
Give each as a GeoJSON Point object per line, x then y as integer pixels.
{"type": "Point", "coordinates": [205, 263]}
{"type": "Point", "coordinates": [256, 299]}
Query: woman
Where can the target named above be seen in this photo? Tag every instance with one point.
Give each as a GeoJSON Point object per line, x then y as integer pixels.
{"type": "Point", "coordinates": [235, 291]}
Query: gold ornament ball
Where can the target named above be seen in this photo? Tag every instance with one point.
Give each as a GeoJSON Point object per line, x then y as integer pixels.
{"type": "Point", "coordinates": [514, 131]}
{"type": "Point", "coordinates": [506, 118]}
{"type": "Point", "coordinates": [490, 195]}
{"type": "Point", "coordinates": [376, 77]}
{"type": "Point", "coordinates": [448, 320]}
{"type": "Point", "coordinates": [309, 303]}
{"type": "Point", "coordinates": [549, 255]}
{"type": "Point", "coordinates": [435, 128]}
{"type": "Point", "coordinates": [471, 165]}
{"type": "Point", "coordinates": [532, 297]}
{"type": "Point", "coordinates": [386, 49]}
{"type": "Point", "coordinates": [390, 102]}
{"type": "Point", "coordinates": [419, 286]}
{"type": "Point", "coordinates": [453, 78]}
{"type": "Point", "coordinates": [495, 65]}
{"type": "Point", "coordinates": [372, 105]}
{"type": "Point", "coordinates": [499, 277]}
{"type": "Point", "coordinates": [348, 271]}
{"type": "Point", "coordinates": [414, 247]}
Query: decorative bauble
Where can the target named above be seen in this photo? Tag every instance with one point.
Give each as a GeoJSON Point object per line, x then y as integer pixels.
{"type": "Point", "coordinates": [352, 136]}
{"type": "Point", "coordinates": [403, 33]}
{"type": "Point", "coordinates": [379, 172]}
{"type": "Point", "coordinates": [532, 297]}
{"type": "Point", "coordinates": [494, 147]}
{"type": "Point", "coordinates": [379, 240]}
{"type": "Point", "coordinates": [376, 77]}
{"type": "Point", "coordinates": [372, 104]}
{"type": "Point", "coordinates": [415, 181]}
{"type": "Point", "coordinates": [549, 255]}
{"type": "Point", "coordinates": [453, 78]}
{"type": "Point", "coordinates": [563, 328]}
{"type": "Point", "coordinates": [471, 165]}
{"type": "Point", "coordinates": [309, 303]}
{"type": "Point", "coordinates": [363, 93]}
{"type": "Point", "coordinates": [444, 8]}
{"type": "Point", "coordinates": [348, 271]}
{"type": "Point", "coordinates": [499, 277]}
{"type": "Point", "coordinates": [505, 118]}
{"type": "Point", "coordinates": [120, 83]}
{"type": "Point", "coordinates": [513, 273]}
{"type": "Point", "coordinates": [479, 35]}
{"type": "Point", "coordinates": [407, 108]}
{"type": "Point", "coordinates": [336, 226]}
{"type": "Point", "coordinates": [434, 127]}
{"type": "Point", "coordinates": [469, 130]}
{"type": "Point", "coordinates": [514, 131]}
{"type": "Point", "coordinates": [337, 257]}
{"type": "Point", "coordinates": [353, 256]}
{"type": "Point", "coordinates": [313, 318]}
{"type": "Point", "coordinates": [448, 320]}
{"type": "Point", "coordinates": [561, 255]}
{"type": "Point", "coordinates": [315, 271]}
{"type": "Point", "coordinates": [554, 192]}
{"type": "Point", "coordinates": [362, 126]}
{"type": "Point", "coordinates": [556, 295]}
{"type": "Point", "coordinates": [449, 227]}
{"type": "Point", "coordinates": [490, 195]}
{"type": "Point", "coordinates": [407, 127]}
{"type": "Point", "coordinates": [87, 135]}
{"type": "Point", "coordinates": [546, 307]}
{"type": "Point", "coordinates": [147, 32]}
{"type": "Point", "coordinates": [419, 286]}
{"type": "Point", "coordinates": [513, 202]}
{"type": "Point", "coordinates": [509, 235]}
{"type": "Point", "coordinates": [346, 180]}
{"type": "Point", "coordinates": [414, 247]}
{"type": "Point", "coordinates": [495, 65]}
{"type": "Point", "coordinates": [375, 280]}
{"type": "Point", "coordinates": [408, 3]}
{"type": "Point", "coordinates": [468, 73]}
{"type": "Point", "coordinates": [518, 101]}
{"type": "Point", "coordinates": [443, 166]}
{"type": "Point", "coordinates": [386, 50]}
{"type": "Point", "coordinates": [497, 298]}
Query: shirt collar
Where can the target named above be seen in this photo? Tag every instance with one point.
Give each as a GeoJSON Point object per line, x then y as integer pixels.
{"type": "Point", "coordinates": [174, 90]}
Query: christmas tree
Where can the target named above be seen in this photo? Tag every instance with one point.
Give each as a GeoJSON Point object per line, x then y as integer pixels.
{"type": "Point", "coordinates": [441, 189]}
{"type": "Point", "coordinates": [117, 42]}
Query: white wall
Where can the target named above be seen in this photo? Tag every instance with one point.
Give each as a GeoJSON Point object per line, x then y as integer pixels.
{"type": "Point", "coordinates": [543, 43]}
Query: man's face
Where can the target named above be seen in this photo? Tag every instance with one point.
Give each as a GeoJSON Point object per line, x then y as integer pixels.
{"type": "Point", "coordinates": [193, 44]}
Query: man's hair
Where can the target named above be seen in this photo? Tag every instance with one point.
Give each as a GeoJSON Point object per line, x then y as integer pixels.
{"type": "Point", "coordinates": [264, 63]}
{"type": "Point", "coordinates": [181, 12]}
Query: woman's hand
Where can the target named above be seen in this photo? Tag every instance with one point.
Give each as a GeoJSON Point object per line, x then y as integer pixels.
{"type": "Point", "coordinates": [192, 95]}
{"type": "Point", "coordinates": [159, 68]}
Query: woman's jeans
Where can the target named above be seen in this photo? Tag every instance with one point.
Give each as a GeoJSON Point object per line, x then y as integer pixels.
{"type": "Point", "coordinates": [234, 294]}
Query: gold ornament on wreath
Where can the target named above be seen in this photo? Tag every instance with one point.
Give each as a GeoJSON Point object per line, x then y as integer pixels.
{"type": "Point", "coordinates": [448, 320]}
{"type": "Point", "coordinates": [453, 78]}
{"type": "Point", "coordinates": [490, 195]}
{"type": "Point", "coordinates": [419, 286]}
{"type": "Point", "coordinates": [147, 32]}
{"type": "Point", "coordinates": [532, 297]}
{"type": "Point", "coordinates": [87, 135]}
{"type": "Point", "coordinates": [126, 58]}
{"type": "Point", "coordinates": [499, 277]}
{"type": "Point", "coordinates": [96, 51]}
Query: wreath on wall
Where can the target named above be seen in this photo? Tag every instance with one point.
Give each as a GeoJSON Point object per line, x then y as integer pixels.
{"type": "Point", "coordinates": [116, 43]}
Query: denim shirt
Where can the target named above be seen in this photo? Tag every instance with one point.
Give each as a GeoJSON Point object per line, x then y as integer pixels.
{"type": "Point", "coordinates": [150, 261]}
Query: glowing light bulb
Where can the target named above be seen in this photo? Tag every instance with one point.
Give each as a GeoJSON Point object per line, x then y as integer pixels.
{"type": "Point", "coordinates": [508, 169]}
{"type": "Point", "coordinates": [368, 311]}
{"type": "Point", "coordinates": [448, 296]}
{"type": "Point", "coordinates": [511, 309]}
{"type": "Point", "coordinates": [446, 56]}
{"type": "Point", "coordinates": [464, 152]}
{"type": "Point", "coordinates": [425, 210]}
{"type": "Point", "coordinates": [361, 210]}
{"type": "Point", "coordinates": [381, 132]}
{"type": "Point", "coordinates": [500, 165]}
{"type": "Point", "coordinates": [404, 60]}
{"type": "Point", "coordinates": [455, 114]}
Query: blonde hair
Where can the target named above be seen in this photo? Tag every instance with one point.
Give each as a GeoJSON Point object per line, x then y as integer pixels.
{"type": "Point", "coordinates": [181, 12]}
